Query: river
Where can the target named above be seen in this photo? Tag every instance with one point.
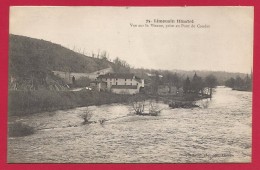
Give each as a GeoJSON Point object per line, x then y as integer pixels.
{"type": "Point", "coordinates": [219, 131]}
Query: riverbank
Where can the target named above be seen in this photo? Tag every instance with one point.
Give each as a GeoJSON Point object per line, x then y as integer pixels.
{"type": "Point", "coordinates": [30, 102]}
{"type": "Point", "coordinates": [243, 89]}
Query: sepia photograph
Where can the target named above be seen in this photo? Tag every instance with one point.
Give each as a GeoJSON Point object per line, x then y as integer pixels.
{"type": "Point", "coordinates": [93, 84]}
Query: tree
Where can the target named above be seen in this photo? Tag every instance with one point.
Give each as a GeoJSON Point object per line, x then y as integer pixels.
{"type": "Point", "coordinates": [138, 104]}
{"type": "Point", "coordinates": [239, 83]}
{"type": "Point", "coordinates": [197, 84]}
{"type": "Point", "coordinates": [230, 82]}
{"type": "Point", "coordinates": [86, 116]}
{"type": "Point", "coordinates": [211, 82]}
{"type": "Point", "coordinates": [186, 85]}
{"type": "Point", "coordinates": [121, 66]}
{"type": "Point", "coordinates": [248, 82]}
{"type": "Point", "coordinates": [177, 80]}
{"type": "Point", "coordinates": [155, 81]}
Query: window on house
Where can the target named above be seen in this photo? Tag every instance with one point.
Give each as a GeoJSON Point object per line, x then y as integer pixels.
{"type": "Point", "coordinates": [116, 83]}
{"type": "Point", "coordinates": [137, 84]}
{"type": "Point", "coordinates": [125, 79]}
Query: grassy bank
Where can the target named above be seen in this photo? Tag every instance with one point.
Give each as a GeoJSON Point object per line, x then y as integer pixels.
{"type": "Point", "coordinates": [29, 102]}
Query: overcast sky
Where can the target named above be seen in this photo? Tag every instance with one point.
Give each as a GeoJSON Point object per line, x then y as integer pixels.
{"type": "Point", "coordinates": [226, 45]}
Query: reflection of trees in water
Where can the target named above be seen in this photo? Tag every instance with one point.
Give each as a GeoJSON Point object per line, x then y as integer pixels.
{"type": "Point", "coordinates": [204, 103]}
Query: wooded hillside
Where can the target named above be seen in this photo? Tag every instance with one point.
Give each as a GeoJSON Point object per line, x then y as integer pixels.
{"type": "Point", "coordinates": [30, 54]}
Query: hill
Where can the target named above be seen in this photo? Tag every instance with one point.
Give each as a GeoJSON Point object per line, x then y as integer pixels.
{"type": "Point", "coordinates": [27, 54]}
{"type": "Point", "coordinates": [31, 62]}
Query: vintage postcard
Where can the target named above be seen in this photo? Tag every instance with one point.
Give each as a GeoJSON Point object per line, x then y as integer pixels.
{"type": "Point", "coordinates": [130, 84]}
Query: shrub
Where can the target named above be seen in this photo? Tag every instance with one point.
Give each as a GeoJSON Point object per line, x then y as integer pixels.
{"type": "Point", "coordinates": [19, 129]}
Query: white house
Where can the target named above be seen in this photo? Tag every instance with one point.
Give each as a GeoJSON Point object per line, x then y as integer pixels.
{"type": "Point", "coordinates": [122, 83]}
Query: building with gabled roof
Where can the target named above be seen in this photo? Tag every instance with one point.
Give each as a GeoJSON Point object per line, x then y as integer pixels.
{"type": "Point", "coordinates": [122, 83]}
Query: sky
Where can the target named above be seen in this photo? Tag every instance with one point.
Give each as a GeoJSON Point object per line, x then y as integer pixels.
{"type": "Point", "coordinates": [226, 44]}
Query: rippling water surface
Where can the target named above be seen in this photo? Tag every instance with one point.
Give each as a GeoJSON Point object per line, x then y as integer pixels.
{"type": "Point", "coordinates": [220, 131]}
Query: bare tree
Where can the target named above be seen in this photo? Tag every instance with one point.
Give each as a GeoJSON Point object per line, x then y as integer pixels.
{"type": "Point", "coordinates": [154, 109]}
{"type": "Point", "coordinates": [211, 82]}
{"type": "Point", "coordinates": [86, 116]}
{"type": "Point", "coordinates": [138, 104]}
{"type": "Point", "coordinates": [98, 53]}
{"type": "Point", "coordinates": [92, 54]}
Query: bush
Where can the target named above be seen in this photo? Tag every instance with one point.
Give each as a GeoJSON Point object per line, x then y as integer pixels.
{"type": "Point", "coordinates": [19, 129]}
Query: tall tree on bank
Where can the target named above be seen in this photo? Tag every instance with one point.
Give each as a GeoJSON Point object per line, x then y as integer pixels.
{"type": "Point", "coordinates": [240, 84]}
{"type": "Point", "coordinates": [169, 79]}
{"type": "Point", "coordinates": [187, 85]}
{"type": "Point", "coordinates": [211, 82]}
{"type": "Point", "coordinates": [197, 84]}
{"type": "Point", "coordinates": [155, 83]}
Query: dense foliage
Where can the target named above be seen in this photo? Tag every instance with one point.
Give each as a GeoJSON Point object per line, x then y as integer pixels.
{"type": "Point", "coordinates": [239, 83]}
{"type": "Point", "coordinates": [221, 76]}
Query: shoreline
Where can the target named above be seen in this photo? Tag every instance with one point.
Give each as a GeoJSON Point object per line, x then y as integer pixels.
{"type": "Point", "coordinates": [22, 103]}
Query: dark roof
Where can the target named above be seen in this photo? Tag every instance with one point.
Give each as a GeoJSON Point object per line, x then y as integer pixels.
{"type": "Point", "coordinates": [123, 87]}
{"type": "Point", "coordinates": [118, 75]}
